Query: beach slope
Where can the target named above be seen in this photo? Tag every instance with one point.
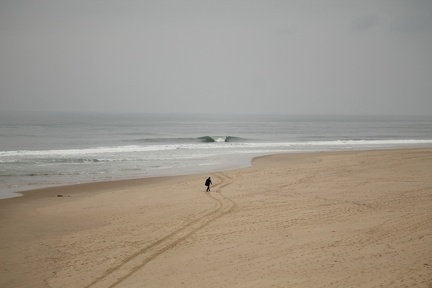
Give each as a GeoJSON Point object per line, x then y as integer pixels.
{"type": "Point", "coordinates": [325, 219]}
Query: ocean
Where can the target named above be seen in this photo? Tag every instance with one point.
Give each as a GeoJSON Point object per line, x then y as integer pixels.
{"type": "Point", "coordinates": [47, 149]}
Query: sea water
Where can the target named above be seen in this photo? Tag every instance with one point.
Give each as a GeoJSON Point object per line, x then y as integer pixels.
{"type": "Point", "coordinates": [46, 149]}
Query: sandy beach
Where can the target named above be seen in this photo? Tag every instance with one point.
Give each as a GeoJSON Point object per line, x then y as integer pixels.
{"type": "Point", "coordinates": [325, 219]}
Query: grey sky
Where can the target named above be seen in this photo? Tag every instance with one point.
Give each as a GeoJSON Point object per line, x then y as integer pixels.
{"type": "Point", "coordinates": [228, 56]}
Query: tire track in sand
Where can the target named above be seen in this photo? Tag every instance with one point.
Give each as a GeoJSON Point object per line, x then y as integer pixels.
{"type": "Point", "coordinates": [117, 274]}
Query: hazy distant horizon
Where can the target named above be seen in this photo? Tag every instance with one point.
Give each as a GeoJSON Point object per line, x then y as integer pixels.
{"type": "Point", "coordinates": [210, 114]}
{"type": "Point", "coordinates": [336, 57]}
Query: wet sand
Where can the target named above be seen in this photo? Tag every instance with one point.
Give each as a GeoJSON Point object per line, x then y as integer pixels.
{"type": "Point", "coordinates": [333, 219]}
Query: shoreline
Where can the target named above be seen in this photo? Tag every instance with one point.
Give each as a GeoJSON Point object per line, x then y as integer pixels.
{"type": "Point", "coordinates": [290, 219]}
{"type": "Point", "coordinates": [141, 180]}
{"type": "Point", "coordinates": [242, 162]}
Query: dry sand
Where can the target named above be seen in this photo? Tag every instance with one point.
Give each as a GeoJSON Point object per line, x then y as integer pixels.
{"type": "Point", "coordinates": [345, 219]}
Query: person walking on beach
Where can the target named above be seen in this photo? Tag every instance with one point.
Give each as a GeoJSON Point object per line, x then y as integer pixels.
{"type": "Point", "coordinates": [208, 183]}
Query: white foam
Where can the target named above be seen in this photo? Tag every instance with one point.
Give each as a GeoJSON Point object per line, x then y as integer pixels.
{"type": "Point", "coordinates": [219, 145]}
{"type": "Point", "coordinates": [87, 151]}
{"type": "Point", "coordinates": [339, 143]}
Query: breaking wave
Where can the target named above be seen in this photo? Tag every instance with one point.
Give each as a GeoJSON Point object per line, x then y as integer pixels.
{"type": "Point", "coordinates": [94, 155]}
{"type": "Point", "coordinates": [203, 139]}
{"type": "Point", "coordinates": [210, 139]}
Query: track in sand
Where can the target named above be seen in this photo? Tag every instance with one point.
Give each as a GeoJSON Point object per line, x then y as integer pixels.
{"type": "Point", "coordinates": [117, 274]}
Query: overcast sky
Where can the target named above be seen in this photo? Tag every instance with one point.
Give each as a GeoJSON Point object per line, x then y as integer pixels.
{"type": "Point", "coordinates": [221, 56]}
